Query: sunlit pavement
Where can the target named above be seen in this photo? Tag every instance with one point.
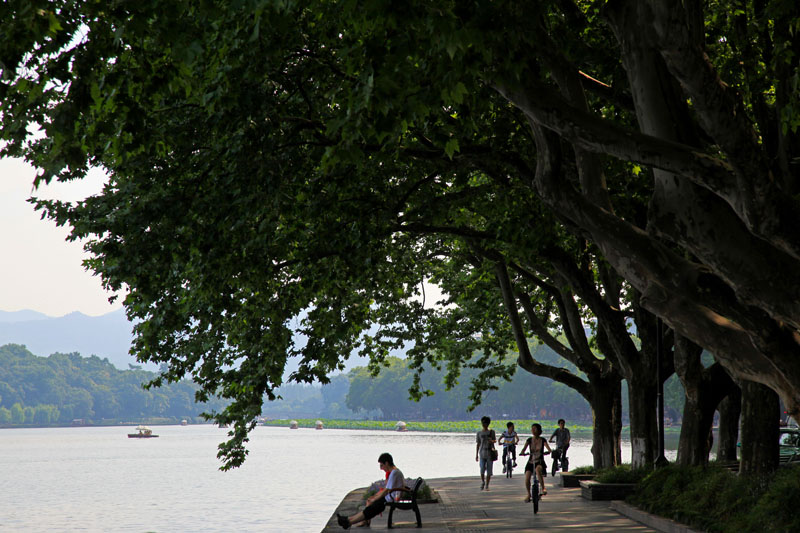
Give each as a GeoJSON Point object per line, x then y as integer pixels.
{"type": "Point", "coordinates": [464, 508]}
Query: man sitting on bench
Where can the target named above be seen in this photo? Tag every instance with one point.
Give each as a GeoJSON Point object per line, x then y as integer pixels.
{"type": "Point", "coordinates": [377, 503]}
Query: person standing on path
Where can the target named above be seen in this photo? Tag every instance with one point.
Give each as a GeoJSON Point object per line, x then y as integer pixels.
{"type": "Point", "coordinates": [536, 463]}
{"type": "Point", "coordinates": [395, 483]}
{"type": "Point", "coordinates": [484, 444]}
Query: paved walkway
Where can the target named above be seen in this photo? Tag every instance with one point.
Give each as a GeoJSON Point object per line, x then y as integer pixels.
{"type": "Point", "coordinates": [464, 508]}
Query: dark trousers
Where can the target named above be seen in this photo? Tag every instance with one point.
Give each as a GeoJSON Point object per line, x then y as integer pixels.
{"type": "Point", "coordinates": [374, 509]}
{"type": "Point", "coordinates": [512, 450]}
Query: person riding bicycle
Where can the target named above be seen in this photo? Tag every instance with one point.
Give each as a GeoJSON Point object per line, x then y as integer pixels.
{"type": "Point", "coordinates": [562, 438]}
{"type": "Point", "coordinates": [536, 463]}
{"type": "Point", "coordinates": [509, 440]}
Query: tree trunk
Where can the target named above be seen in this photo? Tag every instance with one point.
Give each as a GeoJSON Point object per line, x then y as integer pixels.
{"type": "Point", "coordinates": [642, 400]}
{"type": "Point", "coordinates": [705, 389]}
{"type": "Point", "coordinates": [694, 444]}
{"type": "Point", "coordinates": [617, 424]}
{"type": "Point", "coordinates": [760, 429]}
{"type": "Point", "coordinates": [606, 406]}
{"type": "Point", "coordinates": [730, 408]}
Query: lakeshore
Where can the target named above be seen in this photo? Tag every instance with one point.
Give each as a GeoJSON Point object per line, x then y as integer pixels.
{"type": "Point", "coordinates": [463, 507]}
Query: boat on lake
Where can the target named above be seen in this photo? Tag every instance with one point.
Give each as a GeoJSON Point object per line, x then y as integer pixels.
{"type": "Point", "coordinates": [142, 432]}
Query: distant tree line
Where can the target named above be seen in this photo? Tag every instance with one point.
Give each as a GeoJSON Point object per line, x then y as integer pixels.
{"type": "Point", "coordinates": [296, 400]}
{"type": "Point", "coordinates": [358, 394]}
{"type": "Point", "coordinates": [62, 388]}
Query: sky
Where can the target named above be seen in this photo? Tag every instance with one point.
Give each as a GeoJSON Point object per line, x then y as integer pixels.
{"type": "Point", "coordinates": [39, 269]}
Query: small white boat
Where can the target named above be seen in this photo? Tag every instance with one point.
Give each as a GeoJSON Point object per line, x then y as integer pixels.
{"type": "Point", "coordinates": [143, 432]}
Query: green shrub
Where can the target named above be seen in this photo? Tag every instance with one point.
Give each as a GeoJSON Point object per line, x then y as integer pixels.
{"type": "Point", "coordinates": [583, 470]}
{"type": "Point", "coordinates": [717, 500]}
{"type": "Point", "coordinates": [777, 507]}
{"type": "Point", "coordinates": [621, 474]}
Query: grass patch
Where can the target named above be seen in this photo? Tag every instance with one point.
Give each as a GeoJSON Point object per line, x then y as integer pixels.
{"type": "Point", "coordinates": [717, 500]}
{"type": "Point", "coordinates": [587, 469]}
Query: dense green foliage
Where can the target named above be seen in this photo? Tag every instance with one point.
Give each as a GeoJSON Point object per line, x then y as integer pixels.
{"type": "Point", "coordinates": [58, 389]}
{"type": "Point", "coordinates": [717, 500]}
{"type": "Point", "coordinates": [313, 163]}
{"type": "Point", "coordinates": [622, 474]}
{"type": "Point", "coordinates": [585, 469]}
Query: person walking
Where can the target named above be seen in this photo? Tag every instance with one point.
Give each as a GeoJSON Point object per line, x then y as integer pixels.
{"type": "Point", "coordinates": [484, 444]}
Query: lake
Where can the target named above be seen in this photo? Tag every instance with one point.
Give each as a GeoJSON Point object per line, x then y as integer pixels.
{"type": "Point", "coordinates": [96, 479]}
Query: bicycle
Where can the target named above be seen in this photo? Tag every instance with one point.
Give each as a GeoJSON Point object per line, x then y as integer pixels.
{"type": "Point", "coordinates": [509, 460]}
{"type": "Point", "coordinates": [560, 459]}
{"type": "Point", "coordinates": [535, 492]}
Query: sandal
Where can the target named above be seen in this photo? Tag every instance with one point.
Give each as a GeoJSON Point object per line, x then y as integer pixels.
{"type": "Point", "coordinates": [527, 499]}
{"type": "Point", "coordinates": [544, 493]}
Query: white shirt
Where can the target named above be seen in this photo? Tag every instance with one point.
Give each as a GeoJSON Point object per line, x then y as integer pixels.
{"type": "Point", "coordinates": [395, 481]}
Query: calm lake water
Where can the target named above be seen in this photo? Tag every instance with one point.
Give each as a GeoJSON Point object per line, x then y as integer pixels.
{"type": "Point", "coordinates": [97, 479]}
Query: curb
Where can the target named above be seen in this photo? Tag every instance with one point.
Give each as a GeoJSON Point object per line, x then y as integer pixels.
{"type": "Point", "coordinates": [664, 525]}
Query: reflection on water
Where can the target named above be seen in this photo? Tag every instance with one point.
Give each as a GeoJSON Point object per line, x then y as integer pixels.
{"type": "Point", "coordinates": [96, 479]}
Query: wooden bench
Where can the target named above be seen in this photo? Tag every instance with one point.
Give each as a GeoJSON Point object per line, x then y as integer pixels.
{"type": "Point", "coordinates": [406, 502]}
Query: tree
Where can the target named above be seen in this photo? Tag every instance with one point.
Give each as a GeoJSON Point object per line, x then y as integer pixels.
{"type": "Point", "coordinates": [760, 430]}
{"type": "Point", "coordinates": [705, 389]}
{"type": "Point", "coordinates": [721, 174]}
{"type": "Point", "coordinates": [66, 386]}
{"type": "Point", "coordinates": [336, 390]}
{"type": "Point", "coordinates": [17, 414]}
{"type": "Point", "coordinates": [535, 301]}
{"type": "Point", "coordinates": [270, 160]}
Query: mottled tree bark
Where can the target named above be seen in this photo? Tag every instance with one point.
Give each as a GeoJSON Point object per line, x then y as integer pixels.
{"type": "Point", "coordinates": [642, 397]}
{"type": "Point", "coordinates": [606, 406]}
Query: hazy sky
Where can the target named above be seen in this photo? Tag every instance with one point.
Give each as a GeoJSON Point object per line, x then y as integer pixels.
{"type": "Point", "coordinates": [39, 269]}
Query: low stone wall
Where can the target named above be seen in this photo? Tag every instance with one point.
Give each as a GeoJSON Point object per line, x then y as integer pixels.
{"type": "Point", "coordinates": [593, 490]}
{"type": "Point", "coordinates": [574, 480]}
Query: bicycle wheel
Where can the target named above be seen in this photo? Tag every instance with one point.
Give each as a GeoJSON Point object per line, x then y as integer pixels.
{"type": "Point", "coordinates": [509, 466]}
{"type": "Point", "coordinates": [535, 499]}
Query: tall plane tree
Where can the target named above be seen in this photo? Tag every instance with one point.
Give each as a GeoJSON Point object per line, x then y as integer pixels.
{"type": "Point", "coordinates": [259, 152]}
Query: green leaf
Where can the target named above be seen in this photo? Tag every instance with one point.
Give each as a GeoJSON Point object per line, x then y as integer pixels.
{"type": "Point", "coordinates": [451, 147]}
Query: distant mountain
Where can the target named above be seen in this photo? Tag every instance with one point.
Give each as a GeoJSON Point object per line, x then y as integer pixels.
{"type": "Point", "coordinates": [107, 336]}
{"type": "Point", "coordinates": [21, 316]}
